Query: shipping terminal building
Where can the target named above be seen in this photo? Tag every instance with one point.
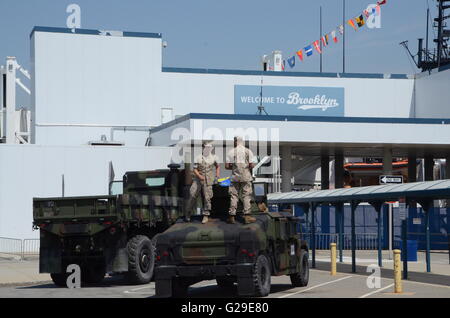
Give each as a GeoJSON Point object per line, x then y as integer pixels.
{"type": "Point", "coordinates": [102, 104]}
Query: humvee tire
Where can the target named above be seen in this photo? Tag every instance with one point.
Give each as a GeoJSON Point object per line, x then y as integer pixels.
{"type": "Point", "coordinates": [93, 273]}
{"type": "Point", "coordinates": [60, 279]}
{"type": "Point", "coordinates": [301, 278]}
{"type": "Point", "coordinates": [225, 282]}
{"type": "Point", "coordinates": [141, 259]}
{"type": "Point", "coordinates": [262, 276]}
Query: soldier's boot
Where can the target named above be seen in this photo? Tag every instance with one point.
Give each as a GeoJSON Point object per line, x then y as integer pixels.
{"type": "Point", "coordinates": [205, 219]}
{"type": "Point", "coordinates": [231, 219]}
{"type": "Point", "coordinates": [249, 219]}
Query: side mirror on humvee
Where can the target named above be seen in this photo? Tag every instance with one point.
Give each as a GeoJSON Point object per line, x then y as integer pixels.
{"type": "Point", "coordinates": [260, 192]}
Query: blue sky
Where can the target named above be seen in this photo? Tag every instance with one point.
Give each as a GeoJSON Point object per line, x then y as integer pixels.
{"type": "Point", "coordinates": [232, 34]}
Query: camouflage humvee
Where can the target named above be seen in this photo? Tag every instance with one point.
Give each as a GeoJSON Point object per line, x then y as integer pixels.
{"type": "Point", "coordinates": [231, 253]}
{"type": "Point", "coordinates": [111, 233]}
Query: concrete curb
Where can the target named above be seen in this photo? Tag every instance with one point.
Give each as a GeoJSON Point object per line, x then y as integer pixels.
{"type": "Point", "coordinates": [25, 284]}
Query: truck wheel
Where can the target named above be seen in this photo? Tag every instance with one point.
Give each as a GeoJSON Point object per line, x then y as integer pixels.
{"type": "Point", "coordinates": [179, 288]}
{"type": "Point", "coordinates": [301, 278]}
{"type": "Point", "coordinates": [225, 282]}
{"type": "Point", "coordinates": [261, 276]}
{"type": "Point", "coordinates": [60, 279]}
{"type": "Point", "coordinates": [141, 259]}
{"type": "Point", "coordinates": [93, 273]}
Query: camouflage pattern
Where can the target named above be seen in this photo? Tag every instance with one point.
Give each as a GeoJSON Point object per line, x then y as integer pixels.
{"type": "Point", "coordinates": [240, 158]}
{"type": "Point", "coordinates": [206, 165]}
{"type": "Point", "coordinates": [241, 190]}
{"type": "Point", "coordinates": [97, 228]}
{"type": "Point", "coordinates": [199, 187]}
{"type": "Point", "coordinates": [195, 251]}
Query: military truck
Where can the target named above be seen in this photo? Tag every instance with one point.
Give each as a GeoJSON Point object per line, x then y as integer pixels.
{"type": "Point", "coordinates": [112, 233]}
{"type": "Point", "coordinates": [246, 254]}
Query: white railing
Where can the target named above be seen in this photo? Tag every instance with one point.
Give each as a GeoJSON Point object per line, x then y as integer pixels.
{"type": "Point", "coordinates": [30, 247]}
{"type": "Point", "coordinates": [17, 247]}
{"type": "Point", "coordinates": [10, 246]}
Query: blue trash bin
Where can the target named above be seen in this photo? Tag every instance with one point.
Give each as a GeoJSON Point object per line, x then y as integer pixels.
{"type": "Point", "coordinates": [411, 247]}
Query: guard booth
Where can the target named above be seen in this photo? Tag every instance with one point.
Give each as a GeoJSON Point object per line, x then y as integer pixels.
{"type": "Point", "coordinates": [423, 193]}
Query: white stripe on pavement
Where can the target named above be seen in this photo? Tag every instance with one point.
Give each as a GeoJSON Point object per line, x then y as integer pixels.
{"type": "Point", "coordinates": [320, 285]}
{"type": "Point", "coordinates": [376, 291]}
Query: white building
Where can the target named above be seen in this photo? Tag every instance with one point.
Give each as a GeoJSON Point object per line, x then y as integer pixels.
{"type": "Point", "coordinates": [103, 87]}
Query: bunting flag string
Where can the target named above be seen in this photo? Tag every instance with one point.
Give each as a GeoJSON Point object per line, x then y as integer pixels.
{"type": "Point", "coordinates": [356, 22]}
{"type": "Point", "coordinates": [360, 21]}
{"type": "Point", "coordinates": [352, 24]}
{"type": "Point", "coordinates": [317, 47]}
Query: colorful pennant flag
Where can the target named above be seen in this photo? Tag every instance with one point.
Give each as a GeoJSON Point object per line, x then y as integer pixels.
{"type": "Point", "coordinates": [317, 46]}
{"type": "Point", "coordinates": [325, 40]}
{"type": "Point", "coordinates": [309, 50]}
{"type": "Point", "coordinates": [360, 21]}
{"type": "Point", "coordinates": [291, 61]}
{"type": "Point", "coordinates": [333, 35]}
{"type": "Point", "coordinates": [352, 24]}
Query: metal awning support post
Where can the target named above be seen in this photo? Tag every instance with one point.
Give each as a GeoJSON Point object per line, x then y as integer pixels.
{"type": "Point", "coordinates": [426, 206]}
{"type": "Point", "coordinates": [354, 205]}
{"type": "Point", "coordinates": [377, 205]}
{"type": "Point", "coordinates": [306, 207]}
{"type": "Point", "coordinates": [339, 208]}
{"type": "Point", "coordinates": [313, 234]}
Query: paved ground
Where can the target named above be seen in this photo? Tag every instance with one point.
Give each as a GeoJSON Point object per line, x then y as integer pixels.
{"type": "Point", "coordinates": [322, 285]}
{"type": "Point", "coordinates": [21, 279]}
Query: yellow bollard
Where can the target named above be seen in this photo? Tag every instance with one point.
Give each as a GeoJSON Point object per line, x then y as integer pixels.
{"type": "Point", "coordinates": [333, 259]}
{"type": "Point", "coordinates": [398, 289]}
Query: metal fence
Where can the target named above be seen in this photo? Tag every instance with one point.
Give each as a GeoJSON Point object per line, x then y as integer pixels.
{"type": "Point", "coordinates": [10, 246]}
{"type": "Point", "coordinates": [30, 247]}
{"type": "Point", "coordinates": [364, 241]}
{"type": "Point", "coordinates": [17, 247]}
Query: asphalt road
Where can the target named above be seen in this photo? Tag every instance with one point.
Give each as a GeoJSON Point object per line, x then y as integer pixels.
{"type": "Point", "coordinates": [322, 285]}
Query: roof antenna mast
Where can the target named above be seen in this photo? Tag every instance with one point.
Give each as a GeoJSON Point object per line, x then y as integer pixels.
{"type": "Point", "coordinates": [261, 108]}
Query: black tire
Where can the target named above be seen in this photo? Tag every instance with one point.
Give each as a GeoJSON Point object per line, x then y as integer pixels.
{"type": "Point", "coordinates": [262, 276]}
{"type": "Point", "coordinates": [301, 278]}
{"type": "Point", "coordinates": [60, 279]}
{"type": "Point", "coordinates": [225, 282]}
{"type": "Point", "coordinates": [141, 260]}
{"type": "Point", "coordinates": [179, 288]}
{"type": "Point", "coordinates": [93, 273]}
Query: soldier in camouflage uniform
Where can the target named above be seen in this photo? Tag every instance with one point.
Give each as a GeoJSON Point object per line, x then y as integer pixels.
{"type": "Point", "coordinates": [240, 161]}
{"type": "Point", "coordinates": [206, 171]}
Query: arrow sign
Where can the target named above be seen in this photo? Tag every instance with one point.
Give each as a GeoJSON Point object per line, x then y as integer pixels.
{"type": "Point", "coordinates": [391, 179]}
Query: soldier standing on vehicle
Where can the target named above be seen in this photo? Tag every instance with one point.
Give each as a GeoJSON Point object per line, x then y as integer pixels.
{"type": "Point", "coordinates": [206, 171]}
{"type": "Point", "coordinates": [241, 161]}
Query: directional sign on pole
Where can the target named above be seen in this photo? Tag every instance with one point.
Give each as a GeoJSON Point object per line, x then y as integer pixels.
{"type": "Point", "coordinates": [391, 179]}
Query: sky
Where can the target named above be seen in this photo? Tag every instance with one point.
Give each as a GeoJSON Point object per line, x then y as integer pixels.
{"type": "Point", "coordinates": [234, 34]}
